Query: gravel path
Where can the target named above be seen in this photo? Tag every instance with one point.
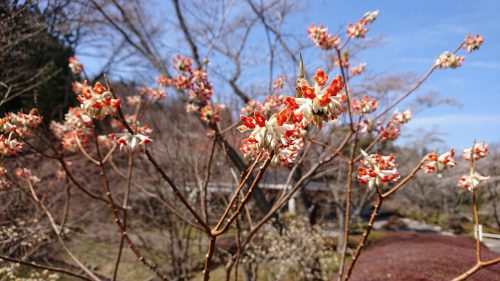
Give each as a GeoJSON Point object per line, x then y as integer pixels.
{"type": "Point", "coordinates": [422, 256]}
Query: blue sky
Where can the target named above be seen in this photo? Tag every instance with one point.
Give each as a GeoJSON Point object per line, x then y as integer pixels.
{"type": "Point", "coordinates": [413, 34]}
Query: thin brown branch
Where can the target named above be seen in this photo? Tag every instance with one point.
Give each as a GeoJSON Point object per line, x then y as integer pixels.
{"type": "Point", "coordinates": [130, 165]}
{"type": "Point", "coordinates": [366, 233]}
{"type": "Point", "coordinates": [476, 268]}
{"type": "Point", "coordinates": [187, 34]}
{"type": "Point", "coordinates": [347, 219]}
{"type": "Point", "coordinates": [245, 199]}
{"type": "Point", "coordinates": [373, 216]}
{"type": "Point", "coordinates": [414, 88]}
{"type": "Point", "coordinates": [45, 267]}
{"type": "Point", "coordinates": [204, 192]}
{"type": "Point", "coordinates": [122, 230]}
{"type": "Point", "coordinates": [237, 191]}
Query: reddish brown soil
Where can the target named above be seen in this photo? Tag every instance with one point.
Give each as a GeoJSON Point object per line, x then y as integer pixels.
{"type": "Point", "coordinates": [422, 257]}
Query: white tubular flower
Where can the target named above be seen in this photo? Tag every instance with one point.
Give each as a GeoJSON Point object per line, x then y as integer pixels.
{"type": "Point", "coordinates": [269, 136]}
{"type": "Point", "coordinates": [449, 60]}
{"type": "Point", "coordinates": [133, 143]}
{"type": "Point", "coordinates": [473, 43]}
{"type": "Point", "coordinates": [266, 136]}
{"type": "Point", "coordinates": [9, 146]}
{"type": "Point", "coordinates": [98, 102]}
{"type": "Point", "coordinates": [364, 106]}
{"type": "Point", "coordinates": [478, 151]}
{"type": "Point", "coordinates": [318, 103]}
{"type": "Point", "coordinates": [472, 182]}
{"type": "Point", "coordinates": [402, 118]}
{"type": "Point", "coordinates": [377, 170]}
{"type": "Point", "coordinates": [357, 30]}
{"type": "Point", "coordinates": [370, 17]}
{"type": "Point", "coordinates": [438, 164]}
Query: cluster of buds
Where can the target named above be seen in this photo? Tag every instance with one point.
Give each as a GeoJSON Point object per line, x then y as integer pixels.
{"type": "Point", "coordinates": [77, 128]}
{"type": "Point", "coordinates": [20, 124]}
{"type": "Point", "coordinates": [377, 170]}
{"type": "Point", "coordinates": [357, 70]}
{"type": "Point", "coordinates": [364, 106]}
{"type": "Point", "coordinates": [17, 125]}
{"type": "Point", "coordinates": [359, 29]}
{"type": "Point", "coordinates": [342, 61]}
{"type": "Point", "coordinates": [155, 94]}
{"type": "Point", "coordinates": [321, 38]}
{"type": "Point", "coordinates": [279, 83]}
{"type": "Point", "coordinates": [318, 103]}
{"type": "Point", "coordinates": [288, 152]}
{"type": "Point", "coordinates": [25, 173]}
{"type": "Point", "coordinates": [473, 43]}
{"type": "Point", "coordinates": [390, 132]}
{"type": "Point", "coordinates": [270, 105]}
{"type": "Point", "coordinates": [449, 60]}
{"type": "Point", "coordinates": [392, 129]}
{"type": "Point", "coordinates": [194, 81]}
{"type": "Point", "coordinates": [477, 151]}
{"type": "Point", "coordinates": [367, 126]}
{"type": "Point", "coordinates": [270, 135]}
{"type": "Point", "coordinates": [210, 114]}
{"type": "Point", "coordinates": [267, 133]}
{"type": "Point", "coordinates": [474, 180]}
{"type": "Point", "coordinates": [370, 17]}
{"type": "Point", "coordinates": [403, 117]}
{"type": "Point", "coordinates": [283, 132]}
{"type": "Point", "coordinates": [97, 102]}
{"type": "Point", "coordinates": [75, 66]}
{"type": "Point", "coordinates": [291, 143]}
{"type": "Point", "coordinates": [129, 142]}
{"type": "Point", "coordinates": [9, 146]}
{"type": "Point", "coordinates": [434, 163]}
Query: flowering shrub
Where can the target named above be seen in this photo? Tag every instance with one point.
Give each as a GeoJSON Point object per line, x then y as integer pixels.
{"type": "Point", "coordinates": [277, 252]}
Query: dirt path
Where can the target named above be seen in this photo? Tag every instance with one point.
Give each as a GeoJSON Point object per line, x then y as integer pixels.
{"type": "Point", "coordinates": [421, 256]}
